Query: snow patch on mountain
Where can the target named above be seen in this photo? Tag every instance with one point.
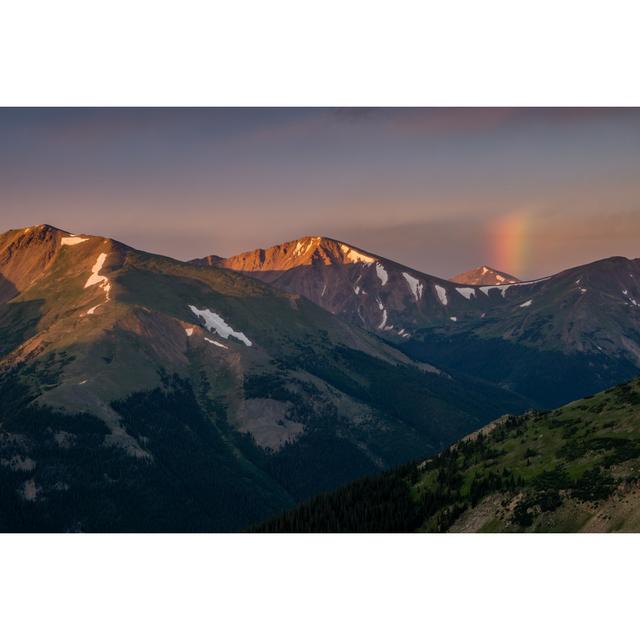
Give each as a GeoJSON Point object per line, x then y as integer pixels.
{"type": "Point", "coordinates": [381, 273]}
{"type": "Point", "coordinates": [383, 322]}
{"type": "Point", "coordinates": [72, 240]}
{"type": "Point", "coordinates": [218, 344]}
{"type": "Point", "coordinates": [504, 287]}
{"type": "Point", "coordinates": [453, 318]}
{"type": "Point", "coordinates": [189, 331]}
{"type": "Point", "coordinates": [215, 323]}
{"type": "Point", "coordinates": [384, 319]}
{"type": "Point", "coordinates": [96, 278]}
{"type": "Point", "coordinates": [415, 285]}
{"type": "Point", "coordinates": [467, 292]}
{"type": "Point", "coordinates": [442, 294]}
{"type": "Point", "coordinates": [351, 255]}
{"type": "Point", "coordinates": [630, 300]}
{"type": "Point", "coordinates": [527, 303]}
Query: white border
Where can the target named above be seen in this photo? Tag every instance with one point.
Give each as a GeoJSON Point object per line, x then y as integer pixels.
{"type": "Point", "coordinates": [282, 586]}
{"type": "Point", "coordinates": [288, 53]}
{"type": "Point", "coordinates": [335, 52]}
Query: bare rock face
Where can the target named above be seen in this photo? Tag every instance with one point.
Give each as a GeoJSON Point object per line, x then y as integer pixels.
{"type": "Point", "coordinates": [25, 254]}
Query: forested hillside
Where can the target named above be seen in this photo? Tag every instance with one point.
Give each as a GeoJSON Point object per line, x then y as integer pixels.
{"type": "Point", "coordinates": [572, 469]}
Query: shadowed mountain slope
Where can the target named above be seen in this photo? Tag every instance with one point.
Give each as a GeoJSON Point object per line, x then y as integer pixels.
{"type": "Point", "coordinates": [572, 469]}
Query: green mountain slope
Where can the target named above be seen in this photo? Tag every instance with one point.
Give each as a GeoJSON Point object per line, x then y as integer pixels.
{"type": "Point", "coordinates": [140, 393]}
{"type": "Point", "coordinates": [572, 469]}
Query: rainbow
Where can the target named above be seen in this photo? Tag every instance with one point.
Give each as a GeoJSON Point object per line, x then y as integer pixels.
{"type": "Point", "coordinates": [509, 238]}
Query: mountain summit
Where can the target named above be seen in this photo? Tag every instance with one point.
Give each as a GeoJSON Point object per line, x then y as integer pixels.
{"type": "Point", "coordinates": [484, 275]}
{"type": "Point", "coordinates": [306, 251]}
{"type": "Point", "coordinates": [361, 287]}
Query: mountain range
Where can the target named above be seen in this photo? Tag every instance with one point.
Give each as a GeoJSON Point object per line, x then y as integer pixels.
{"type": "Point", "coordinates": [551, 340]}
{"type": "Point", "coordinates": [142, 393]}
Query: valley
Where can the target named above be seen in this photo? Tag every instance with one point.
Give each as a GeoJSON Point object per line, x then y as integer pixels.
{"type": "Point", "coordinates": [572, 469]}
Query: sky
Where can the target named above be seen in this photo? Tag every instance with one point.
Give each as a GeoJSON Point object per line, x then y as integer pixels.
{"type": "Point", "coordinates": [527, 191]}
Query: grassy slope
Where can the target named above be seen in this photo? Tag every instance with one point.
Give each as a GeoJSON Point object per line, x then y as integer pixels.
{"type": "Point", "coordinates": [576, 468]}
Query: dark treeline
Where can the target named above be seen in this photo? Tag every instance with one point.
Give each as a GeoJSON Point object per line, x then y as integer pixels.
{"type": "Point", "coordinates": [390, 503]}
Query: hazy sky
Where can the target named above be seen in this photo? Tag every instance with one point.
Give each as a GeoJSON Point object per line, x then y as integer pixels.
{"type": "Point", "coordinates": [528, 191]}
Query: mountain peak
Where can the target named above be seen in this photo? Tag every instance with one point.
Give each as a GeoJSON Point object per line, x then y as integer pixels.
{"type": "Point", "coordinates": [41, 228]}
{"type": "Point", "coordinates": [304, 251]}
{"type": "Point", "coordinates": [484, 275]}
